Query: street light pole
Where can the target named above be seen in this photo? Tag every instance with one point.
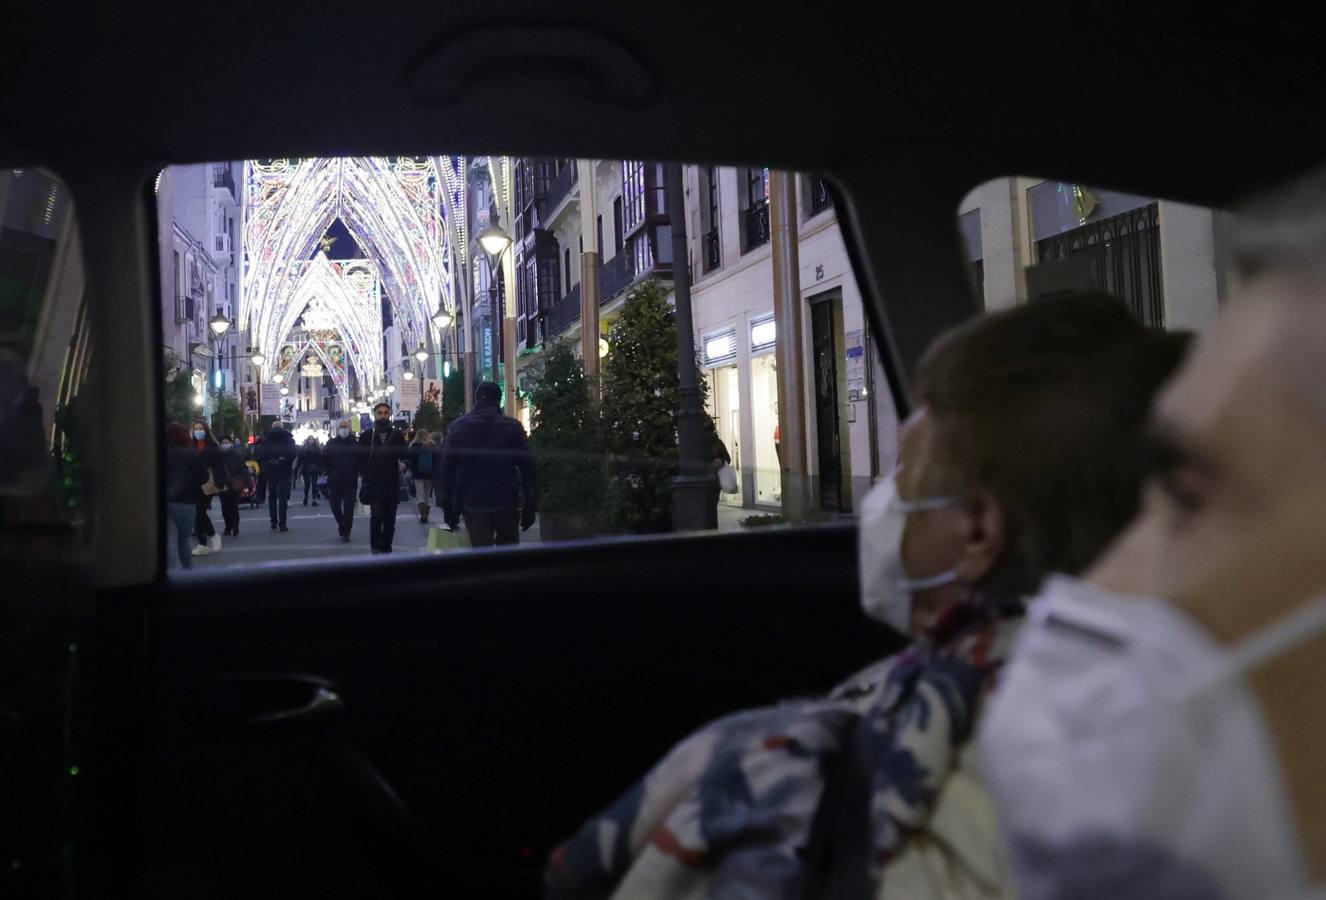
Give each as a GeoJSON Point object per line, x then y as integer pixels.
{"type": "Point", "coordinates": [694, 497]}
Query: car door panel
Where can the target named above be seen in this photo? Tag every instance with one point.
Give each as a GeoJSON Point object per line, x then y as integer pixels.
{"type": "Point", "coordinates": [486, 703]}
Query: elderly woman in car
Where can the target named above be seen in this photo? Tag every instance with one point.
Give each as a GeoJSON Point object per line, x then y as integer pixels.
{"type": "Point", "coordinates": [1024, 457]}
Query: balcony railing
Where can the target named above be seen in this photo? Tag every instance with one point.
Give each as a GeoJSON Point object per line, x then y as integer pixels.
{"type": "Point", "coordinates": [222, 178]}
{"type": "Point", "coordinates": [564, 313]}
{"type": "Point", "coordinates": [820, 200]}
{"type": "Point", "coordinates": [616, 275]}
{"type": "Point", "coordinates": [560, 186]}
{"type": "Point", "coordinates": [712, 246]}
{"type": "Point", "coordinates": [756, 226]}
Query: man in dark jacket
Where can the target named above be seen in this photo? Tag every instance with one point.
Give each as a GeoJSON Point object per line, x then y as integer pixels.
{"type": "Point", "coordinates": [342, 458]}
{"type": "Point", "coordinates": [382, 449]}
{"type": "Point", "coordinates": [277, 458]}
{"type": "Point", "coordinates": [488, 473]}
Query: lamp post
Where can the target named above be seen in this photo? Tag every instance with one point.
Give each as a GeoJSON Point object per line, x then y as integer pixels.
{"type": "Point", "coordinates": [257, 358]}
{"type": "Point", "coordinates": [495, 241]}
{"type": "Point", "coordinates": [694, 499]}
{"type": "Point", "coordinates": [219, 326]}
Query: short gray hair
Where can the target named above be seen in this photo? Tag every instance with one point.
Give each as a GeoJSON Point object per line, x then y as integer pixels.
{"type": "Point", "coordinates": [1283, 229]}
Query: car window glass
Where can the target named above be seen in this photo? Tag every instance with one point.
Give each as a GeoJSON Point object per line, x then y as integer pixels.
{"type": "Point", "coordinates": [303, 293]}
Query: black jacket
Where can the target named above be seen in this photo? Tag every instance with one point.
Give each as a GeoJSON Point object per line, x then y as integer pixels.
{"type": "Point", "coordinates": [417, 452]}
{"type": "Point", "coordinates": [277, 454]}
{"type": "Point", "coordinates": [310, 461]}
{"type": "Point", "coordinates": [382, 451]}
{"type": "Point", "coordinates": [185, 475]}
{"type": "Point", "coordinates": [487, 465]}
{"type": "Point", "coordinates": [342, 458]}
{"type": "Point", "coordinates": [232, 463]}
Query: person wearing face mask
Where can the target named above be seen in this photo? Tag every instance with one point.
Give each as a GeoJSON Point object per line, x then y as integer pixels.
{"type": "Point", "coordinates": [382, 453]}
{"type": "Point", "coordinates": [1159, 728]}
{"type": "Point", "coordinates": [236, 476]}
{"type": "Point", "coordinates": [277, 458]}
{"type": "Point", "coordinates": [205, 445]}
{"type": "Point", "coordinates": [341, 457]}
{"type": "Point", "coordinates": [1024, 457]}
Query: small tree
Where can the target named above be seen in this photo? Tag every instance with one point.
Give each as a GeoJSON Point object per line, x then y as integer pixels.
{"type": "Point", "coordinates": [566, 436]}
{"type": "Point", "coordinates": [229, 418]}
{"type": "Point", "coordinates": [428, 417]}
{"type": "Point", "coordinates": [639, 406]}
{"type": "Point", "coordinates": [178, 389]}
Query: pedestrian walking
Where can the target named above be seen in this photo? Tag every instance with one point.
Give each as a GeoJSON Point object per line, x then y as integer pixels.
{"type": "Point", "coordinates": [341, 459]}
{"type": "Point", "coordinates": [205, 445]}
{"type": "Point", "coordinates": [185, 475]}
{"type": "Point", "coordinates": [310, 467]}
{"type": "Point", "coordinates": [384, 452]}
{"type": "Point", "coordinates": [487, 473]}
{"type": "Point", "coordinates": [424, 459]}
{"type": "Point", "coordinates": [277, 458]}
{"type": "Point", "coordinates": [237, 477]}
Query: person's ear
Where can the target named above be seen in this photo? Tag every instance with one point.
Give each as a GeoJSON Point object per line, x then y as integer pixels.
{"type": "Point", "coordinates": [984, 538]}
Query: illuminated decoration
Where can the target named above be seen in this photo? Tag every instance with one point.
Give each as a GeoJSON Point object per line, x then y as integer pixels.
{"type": "Point", "coordinates": [405, 213]}
{"type": "Point", "coordinates": [311, 368]}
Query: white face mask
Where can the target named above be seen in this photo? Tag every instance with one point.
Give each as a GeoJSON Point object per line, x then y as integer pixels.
{"type": "Point", "coordinates": [198, 434]}
{"type": "Point", "coordinates": [886, 589]}
{"type": "Point", "coordinates": [343, 432]}
{"type": "Point", "coordinates": [1127, 756]}
{"type": "Point", "coordinates": [226, 445]}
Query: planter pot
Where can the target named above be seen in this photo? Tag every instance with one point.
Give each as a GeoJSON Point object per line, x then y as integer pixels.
{"type": "Point", "coordinates": [567, 526]}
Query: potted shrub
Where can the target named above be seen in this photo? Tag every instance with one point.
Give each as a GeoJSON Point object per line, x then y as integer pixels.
{"type": "Point", "coordinates": [568, 451]}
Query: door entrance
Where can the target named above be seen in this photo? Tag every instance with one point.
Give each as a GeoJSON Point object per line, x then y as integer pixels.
{"type": "Point", "coordinates": [725, 408]}
{"type": "Point", "coordinates": [824, 343]}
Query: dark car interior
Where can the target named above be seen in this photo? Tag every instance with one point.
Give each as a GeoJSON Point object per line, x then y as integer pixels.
{"type": "Point", "coordinates": [438, 725]}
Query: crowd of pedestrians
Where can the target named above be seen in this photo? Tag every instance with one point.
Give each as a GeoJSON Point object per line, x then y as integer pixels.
{"type": "Point", "coordinates": [482, 471]}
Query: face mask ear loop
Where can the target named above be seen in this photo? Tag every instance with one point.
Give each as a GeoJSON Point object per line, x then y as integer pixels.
{"type": "Point", "coordinates": [1278, 638]}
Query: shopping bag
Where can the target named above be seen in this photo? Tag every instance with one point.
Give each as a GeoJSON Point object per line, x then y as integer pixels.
{"type": "Point", "coordinates": [442, 539]}
{"type": "Point", "coordinates": [727, 479]}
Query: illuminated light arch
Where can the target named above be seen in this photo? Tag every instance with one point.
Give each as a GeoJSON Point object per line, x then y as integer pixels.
{"type": "Point", "coordinates": [357, 317]}
{"type": "Point", "coordinates": [405, 213]}
{"type": "Point", "coordinates": [340, 375]}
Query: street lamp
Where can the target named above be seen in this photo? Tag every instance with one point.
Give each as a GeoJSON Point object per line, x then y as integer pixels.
{"type": "Point", "coordinates": [219, 325]}
{"type": "Point", "coordinates": [495, 241]}
{"type": "Point", "coordinates": [257, 359]}
{"type": "Point", "coordinates": [422, 354]}
{"type": "Point", "coordinates": [408, 375]}
{"type": "Point", "coordinates": [285, 391]}
{"type": "Point", "coordinates": [441, 318]}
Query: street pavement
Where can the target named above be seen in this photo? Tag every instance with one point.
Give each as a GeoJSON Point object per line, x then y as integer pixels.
{"type": "Point", "coordinates": [313, 536]}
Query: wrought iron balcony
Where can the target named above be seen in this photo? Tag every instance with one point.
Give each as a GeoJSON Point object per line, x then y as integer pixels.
{"type": "Point", "coordinates": [712, 248]}
{"type": "Point", "coordinates": [616, 275]}
{"type": "Point", "coordinates": [560, 186]}
{"type": "Point", "coordinates": [563, 314]}
{"type": "Point", "coordinates": [820, 199]}
{"type": "Point", "coordinates": [756, 226]}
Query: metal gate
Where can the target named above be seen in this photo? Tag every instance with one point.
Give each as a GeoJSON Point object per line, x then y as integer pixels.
{"type": "Point", "coordinates": [1124, 252]}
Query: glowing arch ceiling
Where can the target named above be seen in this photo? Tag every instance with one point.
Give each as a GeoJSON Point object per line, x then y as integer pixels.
{"type": "Point", "coordinates": [406, 213]}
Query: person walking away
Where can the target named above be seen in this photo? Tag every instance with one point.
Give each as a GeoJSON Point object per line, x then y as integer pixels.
{"type": "Point", "coordinates": [310, 467]}
{"type": "Point", "coordinates": [236, 477]}
{"type": "Point", "coordinates": [185, 475]}
{"type": "Point", "coordinates": [277, 458]}
{"type": "Point", "coordinates": [383, 453]}
{"type": "Point", "coordinates": [423, 461]}
{"type": "Point", "coordinates": [205, 445]}
{"type": "Point", "coordinates": [341, 460]}
{"type": "Point", "coordinates": [488, 475]}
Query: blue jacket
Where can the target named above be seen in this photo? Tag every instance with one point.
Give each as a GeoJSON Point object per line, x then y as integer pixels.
{"type": "Point", "coordinates": [487, 465]}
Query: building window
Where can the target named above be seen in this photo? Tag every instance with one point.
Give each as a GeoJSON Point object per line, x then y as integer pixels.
{"type": "Point", "coordinates": [818, 199]}
{"type": "Point", "coordinates": [598, 231]}
{"type": "Point", "coordinates": [755, 211]}
{"type": "Point", "coordinates": [633, 195]}
{"type": "Point", "coordinates": [709, 218]}
{"type": "Point", "coordinates": [617, 225]}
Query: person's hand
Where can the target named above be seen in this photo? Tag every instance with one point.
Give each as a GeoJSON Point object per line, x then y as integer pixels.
{"type": "Point", "coordinates": [527, 517]}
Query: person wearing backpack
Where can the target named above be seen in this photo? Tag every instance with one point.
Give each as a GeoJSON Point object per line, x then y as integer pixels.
{"type": "Point", "coordinates": [423, 462]}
